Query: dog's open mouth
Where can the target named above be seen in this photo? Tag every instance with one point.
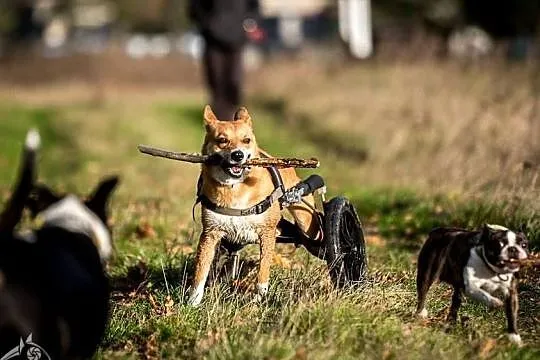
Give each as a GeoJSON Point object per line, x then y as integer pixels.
{"type": "Point", "coordinates": [512, 264]}
{"type": "Point", "coordinates": [235, 171]}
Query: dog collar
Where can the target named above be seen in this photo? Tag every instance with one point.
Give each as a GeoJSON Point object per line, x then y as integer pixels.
{"type": "Point", "coordinates": [493, 268]}
{"type": "Point", "coordinates": [257, 209]}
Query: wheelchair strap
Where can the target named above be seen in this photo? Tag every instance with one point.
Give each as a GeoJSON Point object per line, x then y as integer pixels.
{"type": "Point", "coordinates": [259, 208]}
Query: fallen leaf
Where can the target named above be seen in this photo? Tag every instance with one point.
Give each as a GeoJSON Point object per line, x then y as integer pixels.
{"type": "Point", "coordinates": [151, 349]}
{"type": "Point", "coordinates": [375, 240]}
{"type": "Point", "coordinates": [485, 347]}
{"type": "Point", "coordinates": [281, 261]}
{"type": "Point", "coordinates": [144, 230]}
{"type": "Point", "coordinates": [301, 353]}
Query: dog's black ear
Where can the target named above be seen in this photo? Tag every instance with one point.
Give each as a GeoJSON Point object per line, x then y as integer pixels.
{"type": "Point", "coordinates": [40, 199]}
{"type": "Point", "coordinates": [486, 231]}
{"type": "Point", "coordinates": [97, 202]}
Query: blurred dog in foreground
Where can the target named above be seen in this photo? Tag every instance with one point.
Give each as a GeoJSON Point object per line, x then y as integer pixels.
{"type": "Point", "coordinates": [479, 263]}
{"type": "Point", "coordinates": [53, 288]}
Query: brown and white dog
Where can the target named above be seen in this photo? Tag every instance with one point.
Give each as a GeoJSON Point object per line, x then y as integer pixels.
{"type": "Point", "coordinates": [230, 185]}
{"type": "Point", "coordinates": [478, 263]}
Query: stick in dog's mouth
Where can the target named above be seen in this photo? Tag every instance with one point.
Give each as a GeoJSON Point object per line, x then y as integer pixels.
{"type": "Point", "coordinates": [215, 159]}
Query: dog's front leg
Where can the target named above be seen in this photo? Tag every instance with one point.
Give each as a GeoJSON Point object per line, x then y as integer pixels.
{"type": "Point", "coordinates": [268, 242]}
{"type": "Point", "coordinates": [474, 291]}
{"type": "Point", "coordinates": [205, 255]}
{"type": "Point", "coordinates": [512, 306]}
{"type": "Point", "coordinates": [482, 296]}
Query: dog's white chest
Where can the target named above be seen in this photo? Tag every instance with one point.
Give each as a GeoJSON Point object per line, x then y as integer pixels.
{"type": "Point", "coordinates": [478, 273]}
{"type": "Point", "coordinates": [238, 229]}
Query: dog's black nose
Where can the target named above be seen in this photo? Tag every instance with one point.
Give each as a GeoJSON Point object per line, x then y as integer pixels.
{"type": "Point", "coordinates": [237, 156]}
{"type": "Point", "coordinates": [513, 252]}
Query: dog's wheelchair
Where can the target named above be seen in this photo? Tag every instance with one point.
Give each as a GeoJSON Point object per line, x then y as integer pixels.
{"type": "Point", "coordinates": [342, 247]}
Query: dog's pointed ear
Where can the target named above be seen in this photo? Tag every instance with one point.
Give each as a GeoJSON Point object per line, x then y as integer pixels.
{"type": "Point", "coordinates": [486, 230]}
{"type": "Point", "coordinates": [209, 116]}
{"type": "Point", "coordinates": [242, 115]}
{"type": "Point", "coordinates": [97, 202]}
{"type": "Point", "coordinates": [40, 199]}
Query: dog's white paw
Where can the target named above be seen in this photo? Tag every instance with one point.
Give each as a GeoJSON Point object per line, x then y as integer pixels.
{"type": "Point", "coordinates": [262, 291]}
{"type": "Point", "coordinates": [196, 295]}
{"type": "Point", "coordinates": [422, 314]}
{"type": "Point", "coordinates": [496, 303]}
{"type": "Point", "coordinates": [515, 339]}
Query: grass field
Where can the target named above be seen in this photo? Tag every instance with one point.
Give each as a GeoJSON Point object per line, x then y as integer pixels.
{"type": "Point", "coordinates": [303, 317]}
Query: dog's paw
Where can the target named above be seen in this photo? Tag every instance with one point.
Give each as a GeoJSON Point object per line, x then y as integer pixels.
{"type": "Point", "coordinates": [495, 303]}
{"type": "Point", "coordinates": [422, 314]}
{"type": "Point", "coordinates": [262, 291]}
{"type": "Point", "coordinates": [515, 339]}
{"type": "Point", "coordinates": [195, 297]}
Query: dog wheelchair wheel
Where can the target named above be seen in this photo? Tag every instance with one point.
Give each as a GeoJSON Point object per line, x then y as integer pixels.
{"type": "Point", "coordinates": [345, 245]}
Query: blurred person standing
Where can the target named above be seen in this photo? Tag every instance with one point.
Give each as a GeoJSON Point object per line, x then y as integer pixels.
{"type": "Point", "coordinates": [221, 23]}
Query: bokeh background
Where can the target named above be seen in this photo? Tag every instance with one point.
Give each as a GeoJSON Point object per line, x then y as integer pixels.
{"type": "Point", "coordinates": [439, 125]}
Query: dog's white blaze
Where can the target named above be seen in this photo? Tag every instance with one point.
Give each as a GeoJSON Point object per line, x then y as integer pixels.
{"type": "Point", "coordinates": [481, 281]}
{"type": "Point", "coordinates": [71, 214]}
{"type": "Point", "coordinates": [511, 236]}
{"type": "Point", "coordinates": [515, 338]}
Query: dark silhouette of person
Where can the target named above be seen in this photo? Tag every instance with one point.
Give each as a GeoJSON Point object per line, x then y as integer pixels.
{"type": "Point", "coordinates": [221, 25]}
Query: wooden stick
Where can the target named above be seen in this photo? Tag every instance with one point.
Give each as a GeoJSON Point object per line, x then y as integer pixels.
{"type": "Point", "coordinates": [200, 159]}
{"type": "Point", "coordinates": [180, 156]}
{"type": "Point", "coordinates": [284, 162]}
{"type": "Point", "coordinates": [530, 261]}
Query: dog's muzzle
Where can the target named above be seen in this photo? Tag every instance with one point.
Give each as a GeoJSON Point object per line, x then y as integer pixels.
{"type": "Point", "coordinates": [512, 257]}
{"type": "Point", "coordinates": [233, 163]}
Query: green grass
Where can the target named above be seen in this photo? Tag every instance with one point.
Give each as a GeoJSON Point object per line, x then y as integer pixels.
{"type": "Point", "coordinates": [58, 148]}
{"type": "Point", "coordinates": [405, 215]}
{"type": "Point", "coordinates": [303, 317]}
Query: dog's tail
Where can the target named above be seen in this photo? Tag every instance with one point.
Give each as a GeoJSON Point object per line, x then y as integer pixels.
{"type": "Point", "coordinates": [13, 211]}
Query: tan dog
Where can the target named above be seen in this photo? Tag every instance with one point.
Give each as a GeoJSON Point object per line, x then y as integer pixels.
{"type": "Point", "coordinates": [232, 186]}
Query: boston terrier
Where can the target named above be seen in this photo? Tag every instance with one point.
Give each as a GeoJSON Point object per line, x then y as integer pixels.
{"type": "Point", "coordinates": [478, 263]}
{"type": "Point", "coordinates": [53, 287]}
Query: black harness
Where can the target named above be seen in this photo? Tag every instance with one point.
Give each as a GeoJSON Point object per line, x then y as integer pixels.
{"type": "Point", "coordinates": [259, 208]}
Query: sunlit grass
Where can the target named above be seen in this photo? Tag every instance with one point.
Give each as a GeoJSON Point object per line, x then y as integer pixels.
{"type": "Point", "coordinates": [303, 316]}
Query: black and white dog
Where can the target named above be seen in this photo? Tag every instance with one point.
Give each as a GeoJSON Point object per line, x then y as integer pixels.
{"type": "Point", "coordinates": [53, 287]}
{"type": "Point", "coordinates": [478, 263]}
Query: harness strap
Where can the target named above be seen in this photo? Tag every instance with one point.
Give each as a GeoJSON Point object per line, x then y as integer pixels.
{"type": "Point", "coordinates": [259, 208]}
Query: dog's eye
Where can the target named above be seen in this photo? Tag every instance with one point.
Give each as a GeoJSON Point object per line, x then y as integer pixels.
{"type": "Point", "coordinates": [222, 141]}
{"type": "Point", "coordinates": [246, 140]}
{"type": "Point", "coordinates": [524, 245]}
